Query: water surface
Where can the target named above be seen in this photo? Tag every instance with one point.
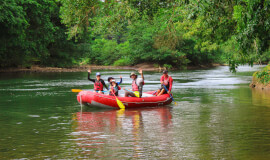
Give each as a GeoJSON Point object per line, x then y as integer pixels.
{"type": "Point", "coordinates": [217, 116]}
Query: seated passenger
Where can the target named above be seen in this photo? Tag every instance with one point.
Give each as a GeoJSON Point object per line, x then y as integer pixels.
{"type": "Point", "coordinates": [114, 88]}
{"type": "Point", "coordinates": [111, 78]}
{"type": "Point", "coordinates": [98, 82]}
{"type": "Point", "coordinates": [137, 85]}
{"type": "Point", "coordinates": [166, 81]}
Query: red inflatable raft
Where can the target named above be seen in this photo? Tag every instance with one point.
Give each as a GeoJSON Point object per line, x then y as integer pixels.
{"type": "Point", "coordinates": [107, 101]}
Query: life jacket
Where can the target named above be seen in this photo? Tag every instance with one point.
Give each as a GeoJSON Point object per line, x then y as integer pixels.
{"type": "Point", "coordinates": [119, 88]}
{"type": "Point", "coordinates": [98, 85]}
{"type": "Point", "coordinates": [166, 82]}
{"type": "Point", "coordinates": [112, 90]}
{"type": "Point", "coordinates": [135, 87]}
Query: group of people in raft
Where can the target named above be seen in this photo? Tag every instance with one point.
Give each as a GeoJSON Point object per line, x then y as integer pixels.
{"type": "Point", "coordinates": [137, 84]}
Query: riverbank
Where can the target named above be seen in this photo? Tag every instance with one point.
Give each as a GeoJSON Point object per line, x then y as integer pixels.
{"type": "Point", "coordinates": [261, 79]}
{"type": "Point", "coordinates": [258, 85]}
{"type": "Point", "coordinates": [144, 66]}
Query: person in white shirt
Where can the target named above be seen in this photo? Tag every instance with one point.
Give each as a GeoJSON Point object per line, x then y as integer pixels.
{"type": "Point", "coordinates": [137, 85]}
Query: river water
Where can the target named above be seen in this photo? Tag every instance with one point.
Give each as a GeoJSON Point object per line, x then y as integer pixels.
{"type": "Point", "coordinates": [217, 116]}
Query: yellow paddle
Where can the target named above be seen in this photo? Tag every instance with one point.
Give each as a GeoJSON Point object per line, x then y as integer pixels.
{"type": "Point", "coordinates": [120, 104]}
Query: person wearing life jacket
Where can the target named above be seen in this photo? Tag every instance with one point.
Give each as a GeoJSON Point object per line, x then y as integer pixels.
{"type": "Point", "coordinates": [117, 83]}
{"type": "Point", "coordinates": [114, 88]}
{"type": "Point", "coordinates": [98, 82]}
{"type": "Point", "coordinates": [137, 85]}
{"type": "Point", "coordinates": [110, 80]}
{"type": "Point", "coordinates": [166, 80]}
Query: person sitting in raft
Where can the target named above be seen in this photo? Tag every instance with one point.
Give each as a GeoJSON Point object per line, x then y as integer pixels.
{"type": "Point", "coordinates": [114, 88]}
{"type": "Point", "coordinates": [111, 78]}
{"type": "Point", "coordinates": [166, 80]}
{"type": "Point", "coordinates": [137, 85]}
{"type": "Point", "coordinates": [98, 82]}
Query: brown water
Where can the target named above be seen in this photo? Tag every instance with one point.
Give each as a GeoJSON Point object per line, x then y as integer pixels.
{"type": "Point", "coordinates": [217, 116]}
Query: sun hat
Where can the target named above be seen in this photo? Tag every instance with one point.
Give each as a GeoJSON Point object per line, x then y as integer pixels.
{"type": "Point", "coordinates": [133, 74]}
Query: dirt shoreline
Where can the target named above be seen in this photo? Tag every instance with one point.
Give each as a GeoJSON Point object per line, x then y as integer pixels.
{"type": "Point", "coordinates": [257, 85]}
{"type": "Point", "coordinates": [144, 66]}
{"type": "Point", "coordinates": [256, 82]}
{"type": "Point", "coordinates": [77, 69]}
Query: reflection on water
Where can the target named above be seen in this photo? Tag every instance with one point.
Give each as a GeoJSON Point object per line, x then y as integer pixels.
{"type": "Point", "coordinates": [113, 131]}
{"type": "Point", "coordinates": [261, 97]}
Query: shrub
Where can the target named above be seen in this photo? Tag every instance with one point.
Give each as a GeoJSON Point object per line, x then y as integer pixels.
{"type": "Point", "coordinates": [264, 75]}
{"type": "Point", "coordinates": [167, 66]}
{"type": "Point", "coordinates": [122, 62]}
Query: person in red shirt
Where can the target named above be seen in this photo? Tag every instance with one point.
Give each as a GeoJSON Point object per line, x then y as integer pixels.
{"type": "Point", "coordinates": [167, 81]}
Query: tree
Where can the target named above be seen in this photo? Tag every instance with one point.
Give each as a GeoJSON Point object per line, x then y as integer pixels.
{"type": "Point", "coordinates": [253, 29]}
{"type": "Point", "coordinates": [31, 33]}
{"type": "Point", "coordinates": [12, 27]}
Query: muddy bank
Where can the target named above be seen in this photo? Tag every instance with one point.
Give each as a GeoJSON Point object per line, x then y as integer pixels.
{"type": "Point", "coordinates": [261, 79]}
{"type": "Point", "coordinates": [144, 66]}
{"type": "Point", "coordinates": [256, 84]}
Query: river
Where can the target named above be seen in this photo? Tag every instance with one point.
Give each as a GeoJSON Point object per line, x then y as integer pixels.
{"type": "Point", "coordinates": [217, 116]}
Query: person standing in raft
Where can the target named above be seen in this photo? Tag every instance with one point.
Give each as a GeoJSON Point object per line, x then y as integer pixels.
{"type": "Point", "coordinates": [114, 88]}
{"type": "Point", "coordinates": [167, 81]}
{"type": "Point", "coordinates": [98, 82]}
{"type": "Point", "coordinates": [137, 85]}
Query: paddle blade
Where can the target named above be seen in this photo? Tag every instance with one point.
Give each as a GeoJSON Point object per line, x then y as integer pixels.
{"type": "Point", "coordinates": [76, 90]}
{"type": "Point", "coordinates": [120, 104]}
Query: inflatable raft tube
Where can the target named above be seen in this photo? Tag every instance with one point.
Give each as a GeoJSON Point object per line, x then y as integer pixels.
{"type": "Point", "coordinates": [107, 101]}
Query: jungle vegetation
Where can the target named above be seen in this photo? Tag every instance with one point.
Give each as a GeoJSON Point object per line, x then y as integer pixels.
{"type": "Point", "coordinates": [170, 33]}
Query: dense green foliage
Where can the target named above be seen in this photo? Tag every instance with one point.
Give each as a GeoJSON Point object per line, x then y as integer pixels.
{"type": "Point", "coordinates": [31, 33]}
{"type": "Point", "coordinates": [127, 32]}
